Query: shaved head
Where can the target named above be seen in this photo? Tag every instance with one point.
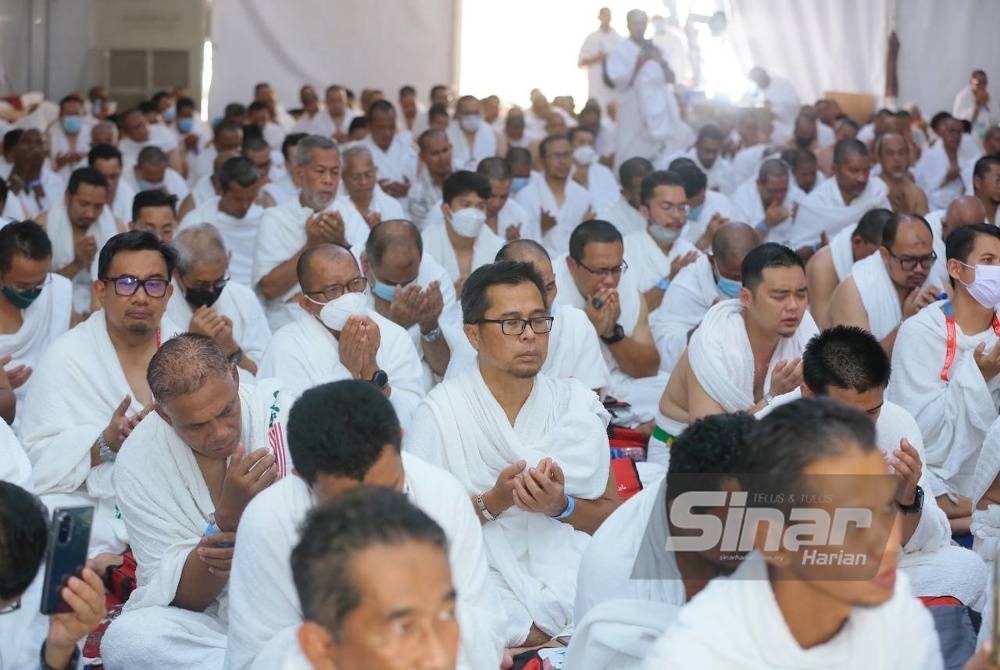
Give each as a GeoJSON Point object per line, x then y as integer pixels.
{"type": "Point", "coordinates": [963, 211]}
{"type": "Point", "coordinates": [523, 251]}
{"type": "Point", "coordinates": [733, 241]}
{"type": "Point", "coordinates": [320, 256]}
{"type": "Point", "coordinates": [183, 364]}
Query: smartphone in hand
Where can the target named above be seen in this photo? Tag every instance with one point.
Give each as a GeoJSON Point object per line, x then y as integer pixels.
{"type": "Point", "coordinates": [66, 555]}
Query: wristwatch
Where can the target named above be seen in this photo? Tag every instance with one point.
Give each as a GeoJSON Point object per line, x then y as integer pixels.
{"type": "Point", "coordinates": [617, 336]}
{"type": "Point", "coordinates": [433, 335]}
{"type": "Point", "coordinates": [380, 379]}
{"type": "Point", "coordinates": [916, 505]}
{"type": "Point", "coordinates": [107, 454]}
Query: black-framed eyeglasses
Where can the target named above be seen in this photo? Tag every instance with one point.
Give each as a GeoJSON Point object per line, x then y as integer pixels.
{"type": "Point", "coordinates": [216, 285]}
{"type": "Point", "coordinates": [614, 272]}
{"type": "Point", "coordinates": [127, 285]}
{"type": "Point", "coordinates": [13, 607]}
{"type": "Point", "coordinates": [334, 291]}
{"type": "Point", "coordinates": [540, 325]}
{"type": "Point", "coordinates": [908, 263]}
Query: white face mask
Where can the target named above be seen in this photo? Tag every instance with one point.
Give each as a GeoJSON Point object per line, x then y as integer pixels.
{"type": "Point", "coordinates": [336, 312]}
{"type": "Point", "coordinates": [470, 122]}
{"type": "Point", "coordinates": [468, 222]}
{"type": "Point", "coordinates": [985, 289]}
{"type": "Point", "coordinates": [584, 155]}
{"type": "Point", "coordinates": [663, 235]}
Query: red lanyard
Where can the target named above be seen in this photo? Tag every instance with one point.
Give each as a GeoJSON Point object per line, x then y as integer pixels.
{"type": "Point", "coordinates": [949, 324]}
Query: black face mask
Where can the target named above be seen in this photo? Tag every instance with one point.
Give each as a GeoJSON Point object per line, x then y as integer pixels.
{"type": "Point", "coordinates": [202, 297]}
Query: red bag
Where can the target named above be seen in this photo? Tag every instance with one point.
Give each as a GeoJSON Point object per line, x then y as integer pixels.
{"type": "Point", "coordinates": [626, 477]}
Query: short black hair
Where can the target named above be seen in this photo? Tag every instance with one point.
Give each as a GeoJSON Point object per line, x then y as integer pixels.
{"type": "Point", "coordinates": [11, 138]}
{"type": "Point", "coordinates": [346, 443]}
{"type": "Point", "coordinates": [659, 178]}
{"type": "Point", "coordinates": [254, 141]}
{"type": "Point", "coordinates": [103, 152]}
{"type": "Point", "coordinates": [796, 156]}
{"type": "Point", "coordinates": [3, 193]}
{"type": "Point", "coordinates": [543, 146]}
{"type": "Point", "coordinates": [767, 255]}
{"type": "Point", "coordinates": [86, 175]}
{"type": "Point", "coordinates": [152, 198]}
{"type": "Point", "coordinates": [518, 155]}
{"type": "Point", "coordinates": [695, 181]}
{"type": "Point", "coordinates": [461, 182]}
{"type": "Point", "coordinates": [238, 170]}
{"type": "Point", "coordinates": [382, 105]}
{"type": "Point", "coordinates": [257, 105]}
{"type": "Point", "coordinates": [507, 250]}
{"type": "Point", "coordinates": [407, 90]}
{"type": "Point", "coordinates": [595, 230]}
{"type": "Point", "coordinates": [505, 273]}
{"type": "Point", "coordinates": [891, 227]}
{"type": "Point", "coordinates": [870, 225]}
{"type": "Point", "coordinates": [148, 107]}
{"type": "Point", "coordinates": [357, 123]}
{"type": "Point", "coordinates": [713, 445]}
{"type": "Point", "coordinates": [710, 131]}
{"type": "Point", "coordinates": [576, 130]}
{"type": "Point", "coordinates": [185, 103]}
{"type": "Point", "coordinates": [636, 167]}
{"type": "Point", "coordinates": [845, 357]}
{"type": "Point", "coordinates": [159, 95]}
{"type": "Point", "coordinates": [25, 238]}
{"type": "Point", "coordinates": [291, 139]}
{"type": "Point", "coordinates": [379, 240]}
{"type": "Point", "coordinates": [23, 538]}
{"type": "Point", "coordinates": [961, 240]}
{"type": "Point", "coordinates": [983, 165]}
{"type": "Point", "coordinates": [437, 110]}
{"type": "Point", "coordinates": [798, 433]}
{"type": "Point", "coordinates": [134, 240]}
{"type": "Point", "coordinates": [234, 109]}
{"type": "Point", "coordinates": [846, 148]}
{"type": "Point", "coordinates": [335, 532]}
{"type": "Point", "coordinates": [151, 155]}
{"type": "Point", "coordinates": [939, 118]}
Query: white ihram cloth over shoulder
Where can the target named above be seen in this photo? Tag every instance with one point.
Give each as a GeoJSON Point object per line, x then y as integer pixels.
{"type": "Point", "coordinates": [722, 359]}
{"type": "Point", "coordinates": [438, 246]}
{"type": "Point", "coordinates": [533, 558]}
{"type": "Point", "coordinates": [383, 203]}
{"type": "Point", "coordinates": [618, 634]}
{"type": "Point", "coordinates": [842, 253]}
{"type": "Point", "coordinates": [166, 506]}
{"type": "Point", "coordinates": [715, 203]}
{"type": "Point", "coordinates": [647, 264]}
{"type": "Point", "coordinates": [398, 163]}
{"type": "Point", "coordinates": [896, 635]}
{"type": "Point", "coordinates": [59, 144]}
{"type": "Point", "coordinates": [239, 235]}
{"type": "Point", "coordinates": [931, 170]}
{"type": "Point", "coordinates": [601, 185]}
{"type": "Point", "coordinates": [953, 415]}
{"type": "Point", "coordinates": [690, 295]}
{"type": "Point", "coordinates": [15, 467]}
{"type": "Point", "coordinates": [623, 216]}
{"type": "Point", "coordinates": [537, 196]}
{"type": "Point", "coordinates": [60, 232]}
{"type": "Point", "coordinates": [986, 522]}
{"type": "Point", "coordinates": [749, 209]}
{"type": "Point", "coordinates": [824, 211]}
{"type": "Point", "coordinates": [263, 599]}
{"type": "Point", "coordinates": [466, 157]}
{"type": "Point", "coordinates": [878, 295]}
{"type": "Point", "coordinates": [78, 384]}
{"type": "Point", "coordinates": [305, 353]}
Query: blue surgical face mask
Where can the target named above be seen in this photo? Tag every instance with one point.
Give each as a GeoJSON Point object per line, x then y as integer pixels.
{"type": "Point", "coordinates": [384, 291]}
{"type": "Point", "coordinates": [517, 183]}
{"type": "Point", "coordinates": [95, 106]}
{"type": "Point", "coordinates": [695, 212]}
{"type": "Point", "coordinates": [185, 125]}
{"type": "Point", "coordinates": [72, 124]}
{"type": "Point", "coordinates": [170, 114]}
{"type": "Point", "coordinates": [727, 287]}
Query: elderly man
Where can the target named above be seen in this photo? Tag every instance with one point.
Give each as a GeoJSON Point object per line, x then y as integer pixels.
{"type": "Point", "coordinates": [697, 287]}
{"type": "Point", "coordinates": [986, 185]}
{"type": "Point", "coordinates": [555, 203]}
{"type": "Point", "coordinates": [181, 490]}
{"type": "Point", "coordinates": [471, 139]}
{"type": "Point", "coordinates": [107, 160]}
{"type": "Point", "coordinates": [35, 308]}
{"type": "Point", "coordinates": [745, 352]}
{"type": "Point", "coordinates": [893, 155]}
{"type": "Point", "coordinates": [886, 288]}
{"type": "Point", "coordinates": [89, 389]}
{"type": "Point", "coordinates": [234, 214]}
{"type": "Point", "coordinates": [209, 303]}
{"type": "Point", "coordinates": [530, 450]}
{"type": "Point", "coordinates": [335, 453]}
{"type": "Point", "coordinates": [151, 171]}
{"type": "Point", "coordinates": [769, 202]}
{"type": "Point", "coordinates": [35, 187]}
{"type": "Point", "coordinates": [288, 230]}
{"type": "Point", "coordinates": [939, 171]}
{"type": "Point", "coordinates": [392, 151]}
{"type": "Point", "coordinates": [973, 104]}
{"type": "Point", "coordinates": [337, 335]}
{"type": "Point", "coordinates": [624, 214]}
{"type": "Point", "coordinates": [69, 138]}
{"type": "Point", "coordinates": [593, 278]}
{"type": "Point", "coordinates": [364, 204]}
{"type": "Point", "coordinates": [435, 168]}
{"type": "Point", "coordinates": [504, 215]}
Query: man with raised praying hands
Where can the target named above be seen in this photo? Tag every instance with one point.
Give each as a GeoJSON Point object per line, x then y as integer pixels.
{"type": "Point", "coordinates": [363, 200]}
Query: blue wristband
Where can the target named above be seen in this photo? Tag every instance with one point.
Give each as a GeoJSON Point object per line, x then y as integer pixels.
{"type": "Point", "coordinates": [570, 506]}
{"type": "Point", "coordinates": [663, 284]}
{"type": "Point", "coordinates": [762, 228]}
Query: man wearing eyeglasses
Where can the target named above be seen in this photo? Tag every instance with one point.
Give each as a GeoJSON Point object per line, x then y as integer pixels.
{"type": "Point", "coordinates": [210, 303]}
{"type": "Point", "coordinates": [338, 336]}
{"type": "Point", "coordinates": [34, 310]}
{"type": "Point", "coordinates": [892, 285]}
{"type": "Point", "coordinates": [530, 450]}
{"type": "Point", "coordinates": [595, 278]}
{"type": "Point", "coordinates": [89, 390]}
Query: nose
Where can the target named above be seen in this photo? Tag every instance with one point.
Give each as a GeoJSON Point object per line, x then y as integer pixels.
{"type": "Point", "coordinates": [435, 653]}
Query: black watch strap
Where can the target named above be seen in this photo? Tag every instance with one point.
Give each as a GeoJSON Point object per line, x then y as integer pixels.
{"type": "Point", "coordinates": [917, 504]}
{"type": "Point", "coordinates": [380, 379]}
{"type": "Point", "coordinates": [617, 336]}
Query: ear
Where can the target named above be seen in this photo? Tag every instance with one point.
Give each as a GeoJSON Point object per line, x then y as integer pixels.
{"type": "Point", "coordinates": [99, 288]}
{"type": "Point", "coordinates": [158, 408]}
{"type": "Point", "coordinates": [472, 334]}
{"type": "Point", "coordinates": [170, 291]}
{"type": "Point", "coordinates": [234, 370]}
{"type": "Point", "coordinates": [746, 297]}
{"type": "Point", "coordinates": [644, 211]}
{"type": "Point", "coordinates": [806, 391]}
{"type": "Point", "coordinates": [446, 211]}
{"type": "Point", "coordinates": [571, 263]}
{"type": "Point", "coordinates": [365, 269]}
{"type": "Point", "coordinates": [884, 253]}
{"type": "Point", "coordinates": [317, 646]}
{"type": "Point", "coordinates": [954, 267]}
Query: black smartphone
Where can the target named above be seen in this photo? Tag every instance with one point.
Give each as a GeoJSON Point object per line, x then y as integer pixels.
{"type": "Point", "coordinates": [66, 555]}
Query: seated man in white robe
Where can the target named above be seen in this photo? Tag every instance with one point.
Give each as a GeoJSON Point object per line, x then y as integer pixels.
{"type": "Point", "coordinates": [707, 155]}
{"type": "Point", "coordinates": [151, 171]}
{"type": "Point", "coordinates": [658, 253]}
{"type": "Point", "coordinates": [286, 231]}
{"type": "Point", "coordinates": [74, 225]}
{"type": "Point", "coordinates": [531, 451]}
{"type": "Point", "coordinates": [137, 134]}
{"type": "Point", "coordinates": [841, 201]}
{"type": "Point", "coordinates": [781, 609]}
{"type": "Point", "coordinates": [939, 171]}
{"type": "Point", "coordinates": [848, 364]}
{"type": "Point", "coordinates": [706, 209]}
{"type": "Point", "coordinates": [34, 186]}
{"type": "Point", "coordinates": [597, 178]}
{"type": "Point", "coordinates": [893, 153]}
{"type": "Point", "coordinates": [270, 166]}
{"type": "Point", "coordinates": [334, 453]}
{"type": "Point", "coordinates": [555, 204]}
{"type": "Point", "coordinates": [393, 151]}
{"type": "Point", "coordinates": [462, 242]}
{"type": "Point", "coordinates": [946, 368]}
{"type": "Point", "coordinates": [435, 167]}
{"type": "Point", "coordinates": [207, 302]}
{"type": "Point", "coordinates": [367, 566]}
{"type": "Point", "coordinates": [154, 212]}
{"type": "Point", "coordinates": [107, 160]}
{"type": "Point", "coordinates": [504, 215]}
{"type": "Point", "coordinates": [628, 557]}
{"type": "Point", "coordinates": [234, 215]}
{"type": "Point", "coordinates": [413, 291]}
{"type": "Point", "coordinates": [69, 137]}
{"type": "Point", "coordinates": [624, 214]}
{"type": "Point", "coordinates": [769, 202]}
{"type": "Point", "coordinates": [698, 286]}
{"type": "Point", "coordinates": [833, 263]}
{"type": "Point", "coordinates": [364, 204]}
{"type": "Point", "coordinates": [745, 352]}
{"type": "Point", "coordinates": [336, 335]}
{"type": "Point", "coordinates": [986, 184]}
{"type": "Point", "coordinates": [889, 287]}
{"type": "Point", "coordinates": [89, 389]}
{"type": "Point", "coordinates": [226, 137]}
{"type": "Point", "coordinates": [471, 139]}
{"type": "Point", "coordinates": [183, 480]}
{"type": "Point", "coordinates": [35, 308]}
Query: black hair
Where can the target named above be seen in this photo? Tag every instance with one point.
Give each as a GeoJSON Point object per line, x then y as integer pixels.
{"type": "Point", "coordinates": [710, 131]}
{"type": "Point", "coordinates": [960, 241]}
{"type": "Point", "coordinates": [475, 301]}
{"type": "Point", "coordinates": [659, 178]}
{"type": "Point", "coordinates": [291, 139]}
{"type": "Point", "coordinates": [254, 141]}
{"type": "Point", "coordinates": [134, 240]}
{"type": "Point", "coordinates": [357, 123]}
{"type": "Point", "coordinates": [234, 109]}
{"type": "Point", "coordinates": [462, 182]}
{"type": "Point", "coordinates": [185, 103]}
{"type": "Point", "coordinates": [636, 167]}
{"type": "Point", "coordinates": [380, 239]}
{"type": "Point", "coordinates": [891, 227]}
{"type": "Point", "coordinates": [695, 181]}
{"type": "Point", "coordinates": [148, 107]}
{"type": "Point", "coordinates": [543, 146]}
{"type": "Point", "coordinates": [11, 138]}
{"type": "Point", "coordinates": [23, 537]}
{"type": "Point", "coordinates": [846, 148]}
{"type": "Point", "coordinates": [257, 105]}
{"type": "Point", "coordinates": [595, 230]}
{"type": "Point", "coordinates": [239, 170]}
{"type": "Point", "coordinates": [86, 175]}
{"type": "Point", "coordinates": [984, 164]}
{"type": "Point", "coordinates": [845, 357]}
{"type": "Point", "coordinates": [407, 90]}
{"type": "Point", "coordinates": [25, 238]}
{"type": "Point", "coordinates": [103, 152]}
{"type": "Point", "coordinates": [153, 198]}
{"type": "Point", "coordinates": [151, 155]}
{"type": "Point", "coordinates": [382, 105]}
{"type": "Point", "coordinates": [767, 255]}
{"type": "Point", "coordinates": [518, 155]}
{"type": "Point", "coordinates": [713, 445]}
{"type": "Point", "coordinates": [870, 225]}
{"type": "Point", "coordinates": [576, 130]}
{"type": "Point", "coordinates": [509, 249]}
{"type": "Point", "coordinates": [437, 110]}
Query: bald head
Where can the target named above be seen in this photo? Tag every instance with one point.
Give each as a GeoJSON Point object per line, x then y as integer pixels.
{"type": "Point", "coordinates": [963, 211]}
{"type": "Point", "coordinates": [183, 365]}
{"type": "Point", "coordinates": [524, 251]}
{"type": "Point", "coordinates": [325, 265]}
{"type": "Point", "coordinates": [392, 239]}
{"type": "Point", "coordinates": [732, 242]}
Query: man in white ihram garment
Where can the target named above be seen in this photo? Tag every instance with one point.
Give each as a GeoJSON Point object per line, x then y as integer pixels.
{"type": "Point", "coordinates": [471, 139]}
{"type": "Point", "coordinates": [593, 56]}
{"type": "Point", "coordinates": [362, 203]}
{"type": "Point", "coordinates": [769, 201]}
{"type": "Point", "coordinates": [393, 152]}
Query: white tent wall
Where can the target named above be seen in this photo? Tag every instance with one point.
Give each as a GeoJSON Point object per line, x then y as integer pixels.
{"type": "Point", "coordinates": [358, 43]}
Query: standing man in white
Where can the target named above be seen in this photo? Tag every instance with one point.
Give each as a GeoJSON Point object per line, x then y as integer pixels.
{"type": "Point", "coordinates": [593, 54]}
